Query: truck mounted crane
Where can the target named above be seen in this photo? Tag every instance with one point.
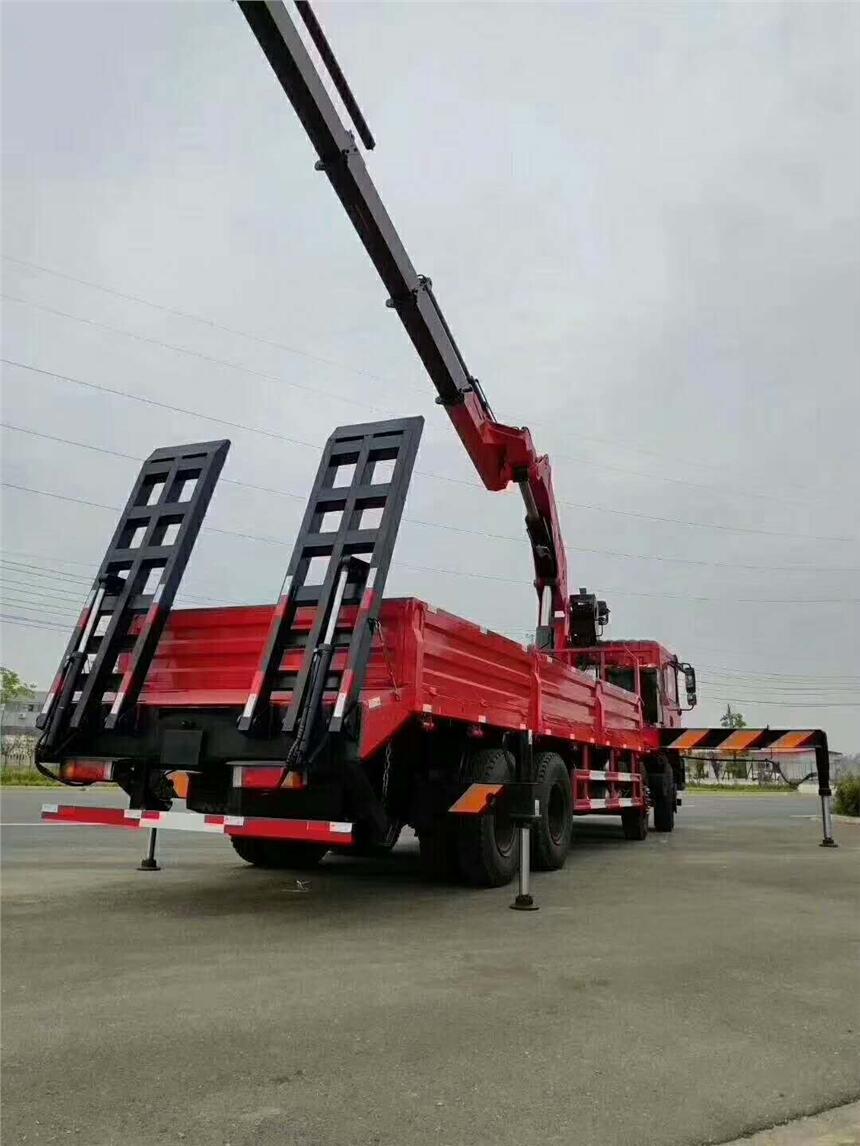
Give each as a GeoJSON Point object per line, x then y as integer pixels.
{"type": "Point", "coordinates": [501, 454]}
{"type": "Point", "coordinates": [334, 717]}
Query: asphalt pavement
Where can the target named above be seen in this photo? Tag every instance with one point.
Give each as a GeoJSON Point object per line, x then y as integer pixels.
{"type": "Point", "coordinates": [687, 989]}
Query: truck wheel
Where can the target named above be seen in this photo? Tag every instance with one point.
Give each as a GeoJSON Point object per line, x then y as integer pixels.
{"type": "Point", "coordinates": [489, 846]}
{"type": "Point", "coordinates": [661, 784]}
{"type": "Point", "coordinates": [551, 834]}
{"type": "Point", "coordinates": [664, 807]}
{"type": "Point", "coordinates": [277, 855]}
{"type": "Point", "coordinates": [634, 821]}
{"type": "Point", "coordinates": [250, 850]}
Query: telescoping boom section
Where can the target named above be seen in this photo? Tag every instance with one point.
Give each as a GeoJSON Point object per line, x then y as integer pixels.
{"type": "Point", "coordinates": [334, 716]}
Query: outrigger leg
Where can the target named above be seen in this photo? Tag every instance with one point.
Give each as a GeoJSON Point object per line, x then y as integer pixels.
{"type": "Point", "coordinates": [524, 900]}
{"type": "Point", "coordinates": [149, 863]}
{"type": "Point", "coordinates": [525, 811]}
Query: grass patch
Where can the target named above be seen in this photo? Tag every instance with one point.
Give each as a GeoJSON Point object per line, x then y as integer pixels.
{"type": "Point", "coordinates": [739, 790]}
{"type": "Point", "coordinates": [25, 778]}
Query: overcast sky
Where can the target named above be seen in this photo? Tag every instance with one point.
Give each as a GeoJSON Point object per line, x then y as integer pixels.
{"type": "Point", "coordinates": [640, 220]}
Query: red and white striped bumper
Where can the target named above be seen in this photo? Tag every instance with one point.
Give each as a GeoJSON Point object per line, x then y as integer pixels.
{"type": "Point", "coordinates": [605, 805]}
{"type": "Point", "coordinates": [331, 832]}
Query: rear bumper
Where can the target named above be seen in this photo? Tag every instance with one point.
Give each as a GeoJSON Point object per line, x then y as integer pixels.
{"type": "Point", "coordinates": [332, 832]}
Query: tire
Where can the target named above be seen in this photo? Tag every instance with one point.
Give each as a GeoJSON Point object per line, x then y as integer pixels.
{"type": "Point", "coordinates": [634, 821]}
{"type": "Point", "coordinates": [276, 855]}
{"type": "Point", "coordinates": [250, 850]}
{"type": "Point", "coordinates": [550, 836]}
{"type": "Point", "coordinates": [661, 784]}
{"type": "Point", "coordinates": [489, 846]}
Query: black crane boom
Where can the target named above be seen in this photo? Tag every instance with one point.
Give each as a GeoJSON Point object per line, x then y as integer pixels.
{"type": "Point", "coordinates": [501, 454]}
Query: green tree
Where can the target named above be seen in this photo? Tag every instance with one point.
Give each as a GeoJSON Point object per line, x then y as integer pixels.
{"type": "Point", "coordinates": [12, 687]}
{"type": "Point", "coordinates": [731, 719]}
{"type": "Point", "coordinates": [735, 768]}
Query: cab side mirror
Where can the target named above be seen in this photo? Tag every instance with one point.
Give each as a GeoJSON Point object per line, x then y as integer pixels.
{"type": "Point", "coordinates": [690, 684]}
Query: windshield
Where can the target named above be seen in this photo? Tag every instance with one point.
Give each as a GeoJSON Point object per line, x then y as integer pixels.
{"type": "Point", "coordinates": [650, 696]}
{"type": "Point", "coordinates": [623, 677]}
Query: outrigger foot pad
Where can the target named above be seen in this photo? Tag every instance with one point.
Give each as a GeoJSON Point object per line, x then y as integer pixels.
{"type": "Point", "coordinates": [524, 903]}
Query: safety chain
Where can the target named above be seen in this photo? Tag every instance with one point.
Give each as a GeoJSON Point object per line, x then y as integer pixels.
{"type": "Point", "coordinates": [376, 626]}
{"type": "Point", "coordinates": [386, 771]}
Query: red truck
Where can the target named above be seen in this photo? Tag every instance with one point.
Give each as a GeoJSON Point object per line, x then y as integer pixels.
{"type": "Point", "coordinates": [333, 717]}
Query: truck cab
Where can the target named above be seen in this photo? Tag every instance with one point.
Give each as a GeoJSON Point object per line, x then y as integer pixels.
{"type": "Point", "coordinates": [647, 669]}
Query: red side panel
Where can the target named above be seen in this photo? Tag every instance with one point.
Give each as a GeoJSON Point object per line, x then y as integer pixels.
{"type": "Point", "coordinates": [424, 662]}
{"type": "Point", "coordinates": [471, 674]}
{"type": "Point", "coordinates": [621, 709]}
{"type": "Point", "coordinates": [207, 657]}
{"type": "Point", "coordinates": [567, 697]}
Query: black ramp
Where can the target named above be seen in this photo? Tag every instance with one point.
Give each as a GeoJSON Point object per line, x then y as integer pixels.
{"type": "Point", "coordinates": [341, 558]}
{"type": "Point", "coordinates": [136, 582]}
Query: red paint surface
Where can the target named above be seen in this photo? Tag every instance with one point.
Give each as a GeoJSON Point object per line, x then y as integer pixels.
{"type": "Point", "coordinates": [208, 658]}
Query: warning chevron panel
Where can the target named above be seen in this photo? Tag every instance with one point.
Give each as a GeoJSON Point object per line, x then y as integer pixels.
{"type": "Point", "coordinates": [742, 739]}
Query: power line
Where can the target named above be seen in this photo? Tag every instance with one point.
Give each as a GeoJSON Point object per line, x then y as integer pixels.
{"type": "Point", "coordinates": [451, 572]}
{"type": "Point", "coordinates": [62, 575]}
{"type": "Point", "coordinates": [51, 626]}
{"type": "Point", "coordinates": [117, 509]}
{"type": "Point", "coordinates": [102, 389]}
{"type": "Point", "coordinates": [89, 565]}
{"type": "Point", "coordinates": [299, 497]}
{"type": "Point", "coordinates": [14, 572]}
{"type": "Point", "coordinates": [659, 596]}
{"type": "Point", "coordinates": [481, 533]}
{"type": "Point", "coordinates": [746, 649]}
{"type": "Point", "coordinates": [438, 525]}
{"type": "Point", "coordinates": [736, 600]}
{"type": "Point", "coordinates": [783, 703]}
{"type": "Point", "coordinates": [211, 358]}
{"type": "Point", "coordinates": [60, 612]}
{"type": "Point", "coordinates": [185, 314]}
{"type": "Point", "coordinates": [810, 689]}
{"type": "Point", "coordinates": [51, 612]}
{"type": "Point", "coordinates": [40, 592]}
{"type": "Point", "coordinates": [137, 458]}
{"type": "Point", "coordinates": [732, 672]}
{"type": "Point", "coordinates": [188, 315]}
{"type": "Point", "coordinates": [683, 482]}
{"type": "Point", "coordinates": [146, 401]}
{"type": "Point", "coordinates": [42, 571]}
{"type": "Point", "coordinates": [28, 623]}
{"type": "Point", "coordinates": [15, 578]}
{"type": "Point", "coordinates": [81, 584]}
{"type": "Point", "coordinates": [703, 524]}
{"type": "Point", "coordinates": [699, 563]}
{"type": "Point", "coordinates": [378, 410]}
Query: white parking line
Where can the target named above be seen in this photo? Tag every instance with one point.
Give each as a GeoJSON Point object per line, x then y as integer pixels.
{"type": "Point", "coordinates": [35, 824]}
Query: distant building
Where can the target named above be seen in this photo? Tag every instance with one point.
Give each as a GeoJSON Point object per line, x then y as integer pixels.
{"type": "Point", "coordinates": [18, 717]}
